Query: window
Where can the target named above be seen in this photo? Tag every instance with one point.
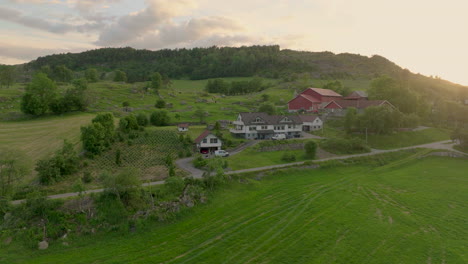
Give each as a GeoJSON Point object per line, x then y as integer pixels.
{"type": "Point", "coordinates": [264, 127]}
{"type": "Point", "coordinates": [205, 140]}
{"type": "Point", "coordinates": [252, 128]}
{"type": "Point", "coordinates": [213, 140]}
{"type": "Point", "coordinates": [258, 120]}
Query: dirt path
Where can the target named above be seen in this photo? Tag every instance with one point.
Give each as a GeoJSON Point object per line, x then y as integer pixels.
{"type": "Point", "coordinates": [186, 164]}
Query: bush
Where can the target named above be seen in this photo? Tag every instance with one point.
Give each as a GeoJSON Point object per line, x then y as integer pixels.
{"type": "Point", "coordinates": [128, 123]}
{"type": "Point", "coordinates": [345, 146]}
{"type": "Point", "coordinates": [160, 104]}
{"type": "Point", "coordinates": [199, 162]}
{"type": "Point", "coordinates": [142, 120]}
{"type": "Point", "coordinates": [160, 118]}
{"type": "Point", "coordinates": [64, 162]}
{"type": "Point", "coordinates": [174, 185]}
{"type": "Point", "coordinates": [288, 157]}
{"type": "Point", "coordinates": [310, 148]}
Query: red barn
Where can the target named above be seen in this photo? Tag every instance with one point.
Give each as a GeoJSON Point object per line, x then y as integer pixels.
{"type": "Point", "coordinates": [312, 99]}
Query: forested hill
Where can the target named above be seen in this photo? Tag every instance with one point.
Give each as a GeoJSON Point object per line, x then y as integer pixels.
{"type": "Point", "coordinates": [266, 61]}
{"type": "Point", "coordinates": [202, 63]}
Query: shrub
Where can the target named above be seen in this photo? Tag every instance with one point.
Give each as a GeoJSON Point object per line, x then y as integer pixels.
{"type": "Point", "coordinates": [64, 162]}
{"type": "Point", "coordinates": [87, 177]}
{"type": "Point", "coordinates": [174, 185]}
{"type": "Point", "coordinates": [288, 157]}
{"type": "Point", "coordinates": [160, 104]}
{"type": "Point", "coordinates": [128, 123]}
{"type": "Point", "coordinates": [142, 119]}
{"type": "Point", "coordinates": [310, 148]}
{"type": "Point", "coordinates": [160, 118]}
{"type": "Point", "coordinates": [345, 146]}
{"type": "Point", "coordinates": [199, 162]}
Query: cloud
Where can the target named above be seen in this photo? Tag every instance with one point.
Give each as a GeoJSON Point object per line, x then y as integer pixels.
{"type": "Point", "coordinates": [37, 1]}
{"type": "Point", "coordinates": [15, 16]}
{"type": "Point", "coordinates": [26, 53]}
{"type": "Point", "coordinates": [135, 25]}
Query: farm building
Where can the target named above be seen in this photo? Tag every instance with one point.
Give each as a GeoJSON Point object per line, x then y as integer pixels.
{"type": "Point", "coordinates": [183, 127]}
{"type": "Point", "coordinates": [357, 95]}
{"type": "Point", "coordinates": [338, 107]}
{"type": "Point", "coordinates": [264, 126]}
{"type": "Point", "coordinates": [312, 99]}
{"type": "Point", "coordinates": [207, 142]}
{"type": "Point", "coordinates": [311, 122]}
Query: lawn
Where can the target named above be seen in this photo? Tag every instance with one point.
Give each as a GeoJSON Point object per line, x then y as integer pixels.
{"type": "Point", "coordinates": [412, 213]}
{"type": "Point", "coordinates": [251, 158]}
{"type": "Point", "coordinates": [405, 139]}
{"type": "Point", "coordinates": [39, 138]}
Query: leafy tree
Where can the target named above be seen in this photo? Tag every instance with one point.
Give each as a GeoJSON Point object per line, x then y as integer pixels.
{"type": "Point", "coordinates": [74, 99]}
{"type": "Point", "coordinates": [387, 88]}
{"type": "Point", "coordinates": [338, 87]}
{"type": "Point", "coordinates": [64, 162]}
{"type": "Point", "coordinates": [156, 81]}
{"type": "Point", "coordinates": [7, 75]}
{"type": "Point", "coordinates": [160, 103]}
{"type": "Point", "coordinates": [267, 108]}
{"type": "Point", "coordinates": [13, 167]}
{"type": "Point", "coordinates": [142, 119]}
{"type": "Point", "coordinates": [160, 118]}
{"type": "Point", "coordinates": [99, 135]}
{"type": "Point", "coordinates": [125, 186]}
{"type": "Point", "coordinates": [310, 148]}
{"type": "Point", "coordinates": [350, 120]}
{"type": "Point", "coordinates": [62, 74]}
{"type": "Point", "coordinates": [200, 114]}
{"type": "Point", "coordinates": [40, 93]}
{"type": "Point", "coordinates": [118, 158]}
{"type": "Point", "coordinates": [378, 119]}
{"type": "Point", "coordinates": [128, 123]}
{"type": "Point", "coordinates": [120, 76]}
{"type": "Point", "coordinates": [91, 75]}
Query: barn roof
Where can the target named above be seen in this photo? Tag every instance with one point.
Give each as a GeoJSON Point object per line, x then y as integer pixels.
{"type": "Point", "coordinates": [359, 104]}
{"type": "Point", "coordinates": [325, 92]}
{"type": "Point", "coordinates": [183, 125]}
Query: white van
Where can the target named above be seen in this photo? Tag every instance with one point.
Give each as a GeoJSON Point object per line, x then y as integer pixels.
{"type": "Point", "coordinates": [221, 153]}
{"type": "Point", "coordinates": [278, 137]}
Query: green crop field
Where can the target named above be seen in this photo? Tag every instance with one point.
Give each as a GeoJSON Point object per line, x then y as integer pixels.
{"type": "Point", "coordinates": [413, 212]}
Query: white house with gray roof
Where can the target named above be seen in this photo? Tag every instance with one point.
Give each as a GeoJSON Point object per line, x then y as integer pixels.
{"type": "Point", "coordinates": [264, 126]}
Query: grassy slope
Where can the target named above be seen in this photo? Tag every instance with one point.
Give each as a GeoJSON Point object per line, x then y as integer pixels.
{"type": "Point", "coordinates": [414, 213]}
{"type": "Point", "coordinates": [405, 139]}
{"type": "Point", "coordinates": [41, 137]}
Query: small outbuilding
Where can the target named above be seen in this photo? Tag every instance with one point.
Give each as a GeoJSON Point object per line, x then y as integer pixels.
{"type": "Point", "coordinates": [183, 127]}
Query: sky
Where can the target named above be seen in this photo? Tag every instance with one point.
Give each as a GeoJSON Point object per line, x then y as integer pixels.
{"type": "Point", "coordinates": [426, 36]}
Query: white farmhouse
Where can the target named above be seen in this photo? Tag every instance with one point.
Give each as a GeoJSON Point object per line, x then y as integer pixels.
{"type": "Point", "coordinates": [311, 122]}
{"type": "Point", "coordinates": [207, 142]}
{"type": "Point", "coordinates": [264, 126]}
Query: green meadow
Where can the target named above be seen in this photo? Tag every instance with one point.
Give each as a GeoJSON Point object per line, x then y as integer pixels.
{"type": "Point", "coordinates": [409, 211]}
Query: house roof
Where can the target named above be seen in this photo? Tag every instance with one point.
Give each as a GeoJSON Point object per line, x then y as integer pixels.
{"type": "Point", "coordinates": [357, 94]}
{"type": "Point", "coordinates": [359, 104]}
{"type": "Point", "coordinates": [202, 136]}
{"type": "Point", "coordinates": [249, 119]}
{"type": "Point", "coordinates": [324, 92]}
{"type": "Point", "coordinates": [183, 125]}
{"type": "Point", "coordinates": [308, 118]}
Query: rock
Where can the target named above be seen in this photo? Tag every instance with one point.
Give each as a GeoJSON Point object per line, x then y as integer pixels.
{"type": "Point", "coordinates": [43, 245]}
{"type": "Point", "coordinates": [65, 236]}
{"type": "Point", "coordinates": [7, 241]}
{"type": "Point", "coordinates": [65, 243]}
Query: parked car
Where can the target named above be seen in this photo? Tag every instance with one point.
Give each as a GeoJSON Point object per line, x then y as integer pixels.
{"type": "Point", "coordinates": [279, 137]}
{"type": "Point", "coordinates": [221, 153]}
{"type": "Point", "coordinates": [204, 151]}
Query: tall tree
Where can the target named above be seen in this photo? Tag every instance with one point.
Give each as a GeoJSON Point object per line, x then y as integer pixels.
{"type": "Point", "coordinates": [7, 75]}
{"type": "Point", "coordinates": [40, 93]}
{"type": "Point", "coordinates": [91, 75]}
{"type": "Point", "coordinates": [156, 81]}
{"type": "Point", "coordinates": [350, 119]}
{"type": "Point", "coordinates": [62, 74]}
{"type": "Point", "coordinates": [13, 167]}
{"type": "Point", "coordinates": [120, 76]}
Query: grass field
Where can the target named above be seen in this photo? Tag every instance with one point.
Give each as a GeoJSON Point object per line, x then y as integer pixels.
{"type": "Point", "coordinates": [405, 139]}
{"type": "Point", "coordinates": [41, 137]}
{"type": "Point", "coordinates": [411, 213]}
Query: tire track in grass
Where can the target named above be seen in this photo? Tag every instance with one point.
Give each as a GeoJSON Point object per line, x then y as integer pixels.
{"type": "Point", "coordinates": [233, 230]}
{"type": "Point", "coordinates": [287, 220]}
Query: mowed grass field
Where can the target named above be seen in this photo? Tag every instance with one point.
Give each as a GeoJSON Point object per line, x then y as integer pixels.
{"type": "Point", "coordinates": [411, 213]}
{"type": "Point", "coordinates": [39, 138]}
{"type": "Point", "coordinates": [410, 138]}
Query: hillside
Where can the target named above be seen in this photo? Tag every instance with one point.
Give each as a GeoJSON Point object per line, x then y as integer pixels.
{"type": "Point", "coordinates": [266, 61]}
